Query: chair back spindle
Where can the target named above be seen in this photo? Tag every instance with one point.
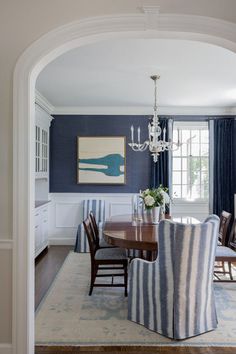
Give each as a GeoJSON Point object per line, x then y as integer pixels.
{"type": "Point", "coordinates": [95, 227]}
{"type": "Point", "coordinates": [91, 237]}
{"type": "Point", "coordinates": [224, 225]}
{"type": "Point", "coordinates": [232, 238]}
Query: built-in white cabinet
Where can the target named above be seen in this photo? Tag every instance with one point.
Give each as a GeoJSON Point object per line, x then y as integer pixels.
{"type": "Point", "coordinates": [41, 228]}
{"type": "Point", "coordinates": [42, 126]}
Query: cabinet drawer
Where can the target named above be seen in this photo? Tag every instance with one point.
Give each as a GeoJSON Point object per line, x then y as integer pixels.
{"type": "Point", "coordinates": [44, 214]}
{"type": "Point", "coordinates": [37, 218]}
{"type": "Point", "coordinates": [41, 229]}
{"type": "Point", "coordinates": [37, 233]}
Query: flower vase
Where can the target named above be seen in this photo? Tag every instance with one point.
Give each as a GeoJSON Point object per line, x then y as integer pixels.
{"type": "Point", "coordinates": [156, 215]}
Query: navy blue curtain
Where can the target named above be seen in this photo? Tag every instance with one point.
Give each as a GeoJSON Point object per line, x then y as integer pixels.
{"type": "Point", "coordinates": [160, 173]}
{"type": "Point", "coordinates": [224, 170]}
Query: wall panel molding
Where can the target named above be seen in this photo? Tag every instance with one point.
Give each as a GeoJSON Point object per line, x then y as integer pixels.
{"type": "Point", "coordinates": [6, 244]}
{"type": "Point", "coordinates": [116, 208]}
{"type": "Point", "coordinates": [66, 212]}
{"type": "Point", "coordinates": [6, 348]}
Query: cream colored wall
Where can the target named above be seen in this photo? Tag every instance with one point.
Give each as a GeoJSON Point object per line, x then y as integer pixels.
{"type": "Point", "coordinates": [21, 23]}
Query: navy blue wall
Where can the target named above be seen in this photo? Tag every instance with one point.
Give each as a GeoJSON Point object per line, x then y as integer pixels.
{"type": "Point", "coordinates": [63, 152]}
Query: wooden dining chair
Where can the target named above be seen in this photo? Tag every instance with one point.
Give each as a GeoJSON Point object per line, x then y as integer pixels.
{"type": "Point", "coordinates": [105, 259]}
{"type": "Point", "coordinates": [227, 254]}
{"type": "Point", "coordinates": [101, 243]}
{"type": "Point", "coordinates": [225, 218]}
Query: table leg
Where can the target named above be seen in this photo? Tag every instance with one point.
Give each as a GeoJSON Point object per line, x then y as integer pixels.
{"type": "Point", "coordinates": [149, 256]}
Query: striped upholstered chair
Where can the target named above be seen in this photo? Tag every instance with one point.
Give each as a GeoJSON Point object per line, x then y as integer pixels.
{"type": "Point", "coordinates": [174, 294]}
{"type": "Point", "coordinates": [98, 208]}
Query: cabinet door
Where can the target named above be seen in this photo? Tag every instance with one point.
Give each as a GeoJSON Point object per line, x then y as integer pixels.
{"type": "Point", "coordinates": [42, 126]}
{"type": "Point", "coordinates": [37, 148]}
{"type": "Point", "coordinates": [44, 151]}
{"type": "Point", "coordinates": [45, 225]}
{"type": "Point", "coordinates": [41, 152]}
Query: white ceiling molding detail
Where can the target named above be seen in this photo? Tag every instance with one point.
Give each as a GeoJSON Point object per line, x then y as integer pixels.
{"type": "Point", "coordinates": [173, 111]}
{"type": "Point", "coordinates": [106, 110]}
{"type": "Point", "coordinates": [43, 102]}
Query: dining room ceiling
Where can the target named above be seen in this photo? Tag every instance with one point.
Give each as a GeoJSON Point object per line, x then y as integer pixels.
{"type": "Point", "coordinates": [115, 73]}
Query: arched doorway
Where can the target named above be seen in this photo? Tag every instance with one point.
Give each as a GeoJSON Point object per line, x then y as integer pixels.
{"type": "Point", "coordinates": [29, 65]}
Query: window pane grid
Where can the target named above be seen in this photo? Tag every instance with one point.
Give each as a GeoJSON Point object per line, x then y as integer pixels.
{"type": "Point", "coordinates": [190, 164]}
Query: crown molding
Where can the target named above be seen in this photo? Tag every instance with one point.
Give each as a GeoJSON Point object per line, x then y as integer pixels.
{"type": "Point", "coordinates": [122, 110]}
{"type": "Point", "coordinates": [174, 110]}
{"type": "Point", "coordinates": [43, 102]}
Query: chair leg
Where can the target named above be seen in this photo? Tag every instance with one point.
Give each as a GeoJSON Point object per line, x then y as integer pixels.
{"type": "Point", "coordinates": [125, 278]}
{"type": "Point", "coordinates": [223, 266]}
{"type": "Point", "coordinates": [230, 271]}
{"type": "Point", "coordinates": [94, 270]}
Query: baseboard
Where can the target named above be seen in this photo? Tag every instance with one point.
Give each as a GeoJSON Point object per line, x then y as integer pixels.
{"type": "Point", "coordinates": [61, 242]}
{"type": "Point", "coordinates": [6, 348]}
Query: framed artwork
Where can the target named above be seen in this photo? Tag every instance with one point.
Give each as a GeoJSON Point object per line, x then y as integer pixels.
{"type": "Point", "coordinates": [101, 160]}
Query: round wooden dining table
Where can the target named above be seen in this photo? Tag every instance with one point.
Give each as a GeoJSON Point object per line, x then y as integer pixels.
{"type": "Point", "coordinates": [128, 232]}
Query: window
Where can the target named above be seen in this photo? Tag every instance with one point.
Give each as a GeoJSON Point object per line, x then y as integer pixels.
{"type": "Point", "coordinates": [191, 161]}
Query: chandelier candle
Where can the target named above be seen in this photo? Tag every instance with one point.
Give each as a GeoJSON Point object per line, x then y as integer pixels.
{"type": "Point", "coordinates": [154, 142]}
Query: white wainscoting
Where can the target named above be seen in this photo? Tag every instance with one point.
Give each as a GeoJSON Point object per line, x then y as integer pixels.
{"type": "Point", "coordinates": [198, 210]}
{"type": "Point", "coordinates": [66, 212]}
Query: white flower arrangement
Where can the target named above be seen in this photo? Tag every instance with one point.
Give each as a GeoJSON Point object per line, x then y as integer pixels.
{"type": "Point", "coordinates": [155, 197]}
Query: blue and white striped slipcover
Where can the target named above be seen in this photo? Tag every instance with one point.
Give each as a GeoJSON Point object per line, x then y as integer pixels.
{"type": "Point", "coordinates": [174, 294]}
{"type": "Point", "coordinates": [98, 209]}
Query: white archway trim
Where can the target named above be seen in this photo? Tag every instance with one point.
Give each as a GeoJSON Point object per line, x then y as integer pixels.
{"type": "Point", "coordinates": [28, 66]}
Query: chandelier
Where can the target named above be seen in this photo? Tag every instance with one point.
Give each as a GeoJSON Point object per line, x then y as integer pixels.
{"type": "Point", "coordinates": [154, 142]}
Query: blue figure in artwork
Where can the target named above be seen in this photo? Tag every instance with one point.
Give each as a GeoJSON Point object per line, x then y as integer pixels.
{"type": "Point", "coordinates": [112, 161]}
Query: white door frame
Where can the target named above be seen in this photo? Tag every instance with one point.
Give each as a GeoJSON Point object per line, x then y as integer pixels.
{"type": "Point", "coordinates": [28, 66]}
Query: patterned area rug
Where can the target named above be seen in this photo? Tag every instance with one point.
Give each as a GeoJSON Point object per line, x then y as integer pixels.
{"type": "Point", "coordinates": [68, 316]}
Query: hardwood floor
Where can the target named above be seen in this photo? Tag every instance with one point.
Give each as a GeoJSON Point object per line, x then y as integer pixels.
{"type": "Point", "coordinates": [47, 264]}
{"type": "Point", "coordinates": [133, 350]}
{"type": "Point", "coordinates": [46, 267]}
